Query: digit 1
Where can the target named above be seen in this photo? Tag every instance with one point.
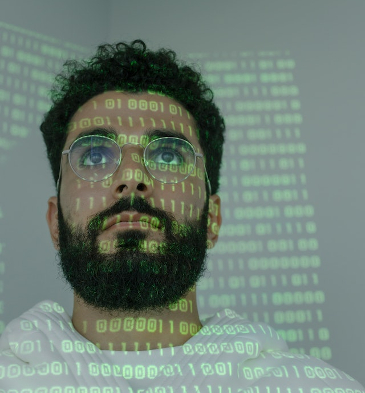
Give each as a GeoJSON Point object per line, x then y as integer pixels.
{"type": "Point", "coordinates": [254, 299]}
{"type": "Point", "coordinates": [243, 300]}
{"type": "Point", "coordinates": [315, 278]}
{"type": "Point", "coordinates": [162, 203]}
{"type": "Point", "coordinates": [319, 315]}
{"type": "Point", "coordinates": [264, 298]}
{"type": "Point", "coordinates": [273, 280]}
{"type": "Point", "coordinates": [192, 368]}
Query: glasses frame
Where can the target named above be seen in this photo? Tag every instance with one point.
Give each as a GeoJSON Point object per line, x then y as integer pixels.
{"type": "Point", "coordinates": [66, 152]}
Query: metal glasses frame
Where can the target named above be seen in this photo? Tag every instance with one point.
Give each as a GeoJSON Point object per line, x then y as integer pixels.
{"type": "Point", "coordinates": [120, 160]}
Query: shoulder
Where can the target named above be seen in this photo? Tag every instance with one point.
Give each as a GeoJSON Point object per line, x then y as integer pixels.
{"type": "Point", "coordinates": [285, 370]}
{"type": "Point", "coordinates": [263, 358]}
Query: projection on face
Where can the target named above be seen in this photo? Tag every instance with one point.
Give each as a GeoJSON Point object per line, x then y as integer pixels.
{"type": "Point", "coordinates": [144, 267]}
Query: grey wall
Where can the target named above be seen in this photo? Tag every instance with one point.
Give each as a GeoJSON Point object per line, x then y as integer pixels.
{"type": "Point", "coordinates": [326, 40]}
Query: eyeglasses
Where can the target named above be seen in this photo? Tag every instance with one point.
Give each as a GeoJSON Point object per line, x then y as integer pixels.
{"type": "Point", "coordinates": [169, 160]}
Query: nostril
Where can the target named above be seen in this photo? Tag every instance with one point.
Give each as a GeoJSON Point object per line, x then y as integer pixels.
{"type": "Point", "coordinates": [141, 187]}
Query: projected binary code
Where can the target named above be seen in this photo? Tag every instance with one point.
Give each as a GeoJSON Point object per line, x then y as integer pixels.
{"type": "Point", "coordinates": [269, 229]}
{"type": "Point", "coordinates": [28, 63]}
{"type": "Point", "coordinates": [266, 263]}
{"type": "Point", "coordinates": [265, 267]}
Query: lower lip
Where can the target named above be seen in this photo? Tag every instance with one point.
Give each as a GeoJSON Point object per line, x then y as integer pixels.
{"type": "Point", "coordinates": [135, 224]}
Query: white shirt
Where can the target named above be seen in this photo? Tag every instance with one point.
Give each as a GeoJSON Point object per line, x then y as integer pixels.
{"type": "Point", "coordinates": [41, 352]}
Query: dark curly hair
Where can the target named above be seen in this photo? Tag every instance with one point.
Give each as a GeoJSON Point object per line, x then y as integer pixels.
{"type": "Point", "coordinates": [133, 68]}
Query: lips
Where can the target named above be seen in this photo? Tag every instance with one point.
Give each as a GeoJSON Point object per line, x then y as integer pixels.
{"type": "Point", "coordinates": [130, 217]}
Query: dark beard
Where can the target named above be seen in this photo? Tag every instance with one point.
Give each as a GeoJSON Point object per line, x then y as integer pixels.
{"type": "Point", "coordinates": [131, 279]}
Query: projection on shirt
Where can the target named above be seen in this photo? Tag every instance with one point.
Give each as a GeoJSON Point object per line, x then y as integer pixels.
{"type": "Point", "coordinates": [264, 266]}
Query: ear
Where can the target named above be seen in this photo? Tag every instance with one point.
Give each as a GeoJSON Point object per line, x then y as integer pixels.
{"type": "Point", "coordinates": [214, 220]}
{"type": "Point", "coordinates": [52, 220]}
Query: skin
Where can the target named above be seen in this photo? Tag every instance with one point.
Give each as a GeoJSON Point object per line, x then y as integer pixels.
{"type": "Point", "coordinates": [104, 266]}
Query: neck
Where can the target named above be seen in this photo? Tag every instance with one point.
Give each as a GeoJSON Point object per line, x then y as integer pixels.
{"type": "Point", "coordinates": [125, 332]}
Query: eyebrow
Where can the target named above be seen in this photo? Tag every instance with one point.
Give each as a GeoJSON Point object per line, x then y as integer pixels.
{"type": "Point", "coordinates": [150, 133]}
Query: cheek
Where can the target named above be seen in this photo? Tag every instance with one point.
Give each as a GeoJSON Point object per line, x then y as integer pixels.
{"type": "Point", "coordinates": [194, 185]}
{"type": "Point", "coordinates": [183, 200]}
{"type": "Point", "coordinates": [81, 200]}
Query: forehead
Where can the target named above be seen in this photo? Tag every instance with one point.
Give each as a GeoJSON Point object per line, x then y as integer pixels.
{"type": "Point", "coordinates": [132, 116]}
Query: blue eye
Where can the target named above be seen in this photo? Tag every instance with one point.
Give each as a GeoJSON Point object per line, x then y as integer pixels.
{"type": "Point", "coordinates": [94, 156]}
{"type": "Point", "coordinates": [167, 156]}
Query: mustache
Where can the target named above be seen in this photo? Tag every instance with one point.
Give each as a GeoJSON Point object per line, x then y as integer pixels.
{"type": "Point", "coordinates": [131, 203]}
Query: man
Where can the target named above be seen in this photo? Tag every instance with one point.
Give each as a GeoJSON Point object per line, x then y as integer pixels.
{"type": "Point", "coordinates": [135, 146]}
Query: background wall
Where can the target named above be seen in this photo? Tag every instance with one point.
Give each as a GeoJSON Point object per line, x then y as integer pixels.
{"type": "Point", "coordinates": [296, 71]}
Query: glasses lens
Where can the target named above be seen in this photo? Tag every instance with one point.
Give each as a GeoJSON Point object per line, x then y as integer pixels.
{"type": "Point", "coordinates": [94, 158]}
{"type": "Point", "coordinates": [170, 160]}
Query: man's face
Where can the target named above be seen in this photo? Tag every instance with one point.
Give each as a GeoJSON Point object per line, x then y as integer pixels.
{"type": "Point", "coordinates": [134, 267]}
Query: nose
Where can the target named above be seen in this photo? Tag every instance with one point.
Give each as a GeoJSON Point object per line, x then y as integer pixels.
{"type": "Point", "coordinates": [132, 172]}
{"type": "Point", "coordinates": [134, 144]}
{"type": "Point", "coordinates": [135, 154]}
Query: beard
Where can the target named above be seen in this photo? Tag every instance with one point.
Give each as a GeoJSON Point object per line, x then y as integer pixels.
{"type": "Point", "coordinates": [132, 279]}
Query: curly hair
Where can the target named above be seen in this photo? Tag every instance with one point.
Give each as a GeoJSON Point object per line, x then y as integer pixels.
{"type": "Point", "coordinates": [133, 68]}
